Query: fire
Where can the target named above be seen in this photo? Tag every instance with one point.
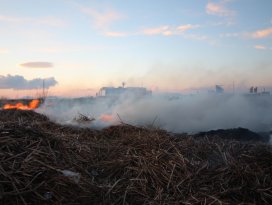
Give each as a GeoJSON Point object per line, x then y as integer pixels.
{"type": "Point", "coordinates": [34, 104]}
{"type": "Point", "coordinates": [20, 106]}
{"type": "Point", "coordinates": [106, 118]}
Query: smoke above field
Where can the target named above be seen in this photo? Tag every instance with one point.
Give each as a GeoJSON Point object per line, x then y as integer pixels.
{"type": "Point", "coordinates": [190, 113]}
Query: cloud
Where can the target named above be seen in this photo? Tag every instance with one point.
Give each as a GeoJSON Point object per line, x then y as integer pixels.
{"type": "Point", "coordinates": [186, 27]}
{"type": "Point", "coordinates": [18, 82]}
{"type": "Point", "coordinates": [219, 9]}
{"type": "Point", "coordinates": [168, 30]}
{"type": "Point", "coordinates": [102, 19]}
{"type": "Point", "coordinates": [37, 65]}
{"type": "Point", "coordinates": [115, 34]}
{"type": "Point", "coordinates": [162, 30]}
{"type": "Point", "coordinates": [258, 34]}
{"type": "Point", "coordinates": [260, 47]}
{"type": "Point", "coordinates": [264, 33]}
{"type": "Point", "coordinates": [48, 21]}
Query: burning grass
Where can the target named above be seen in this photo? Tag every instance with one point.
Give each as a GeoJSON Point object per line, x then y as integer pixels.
{"type": "Point", "coordinates": [33, 104]}
{"type": "Point", "coordinates": [46, 163]}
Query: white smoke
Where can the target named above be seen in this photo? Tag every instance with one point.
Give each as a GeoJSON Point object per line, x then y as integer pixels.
{"type": "Point", "coordinates": [184, 114]}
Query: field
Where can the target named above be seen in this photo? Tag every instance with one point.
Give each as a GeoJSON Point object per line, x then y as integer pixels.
{"type": "Point", "coordinates": [46, 163]}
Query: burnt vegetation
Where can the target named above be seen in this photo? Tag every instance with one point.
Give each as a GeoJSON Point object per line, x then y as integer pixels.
{"type": "Point", "coordinates": [46, 163]}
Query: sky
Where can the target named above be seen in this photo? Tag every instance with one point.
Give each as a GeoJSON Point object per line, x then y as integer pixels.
{"type": "Point", "coordinates": [78, 46]}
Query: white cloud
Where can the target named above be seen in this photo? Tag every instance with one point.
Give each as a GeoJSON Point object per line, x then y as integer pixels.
{"type": "Point", "coordinates": [115, 34]}
{"type": "Point", "coordinates": [258, 34]}
{"type": "Point", "coordinates": [162, 30]}
{"type": "Point", "coordinates": [168, 30]}
{"type": "Point", "coordinates": [260, 47]}
{"type": "Point", "coordinates": [102, 19]}
{"type": "Point", "coordinates": [263, 33]}
{"type": "Point", "coordinates": [186, 27]}
{"type": "Point", "coordinates": [219, 9]}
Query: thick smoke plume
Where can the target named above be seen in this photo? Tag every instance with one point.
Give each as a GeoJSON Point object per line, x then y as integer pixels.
{"type": "Point", "coordinates": [18, 82]}
{"type": "Point", "coordinates": [182, 114]}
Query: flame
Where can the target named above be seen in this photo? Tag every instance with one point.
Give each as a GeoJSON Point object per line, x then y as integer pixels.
{"type": "Point", "coordinates": [20, 106]}
{"type": "Point", "coordinates": [106, 118]}
{"type": "Point", "coordinates": [34, 104]}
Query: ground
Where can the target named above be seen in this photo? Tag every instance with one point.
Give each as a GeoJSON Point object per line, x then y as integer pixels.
{"type": "Point", "coordinates": [46, 163]}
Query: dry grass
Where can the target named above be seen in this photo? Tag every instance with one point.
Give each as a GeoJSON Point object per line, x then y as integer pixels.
{"type": "Point", "coordinates": [126, 165]}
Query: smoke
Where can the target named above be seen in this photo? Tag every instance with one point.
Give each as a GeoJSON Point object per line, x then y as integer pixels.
{"type": "Point", "coordinates": [187, 113]}
{"type": "Point", "coordinates": [18, 82]}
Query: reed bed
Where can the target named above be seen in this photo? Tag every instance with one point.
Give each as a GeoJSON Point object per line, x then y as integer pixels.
{"type": "Point", "coordinates": [46, 163]}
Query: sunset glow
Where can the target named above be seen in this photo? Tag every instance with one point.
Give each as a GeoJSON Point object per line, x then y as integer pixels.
{"type": "Point", "coordinates": [75, 47]}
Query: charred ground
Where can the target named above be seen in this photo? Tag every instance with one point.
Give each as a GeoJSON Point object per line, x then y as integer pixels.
{"type": "Point", "coordinates": [127, 165]}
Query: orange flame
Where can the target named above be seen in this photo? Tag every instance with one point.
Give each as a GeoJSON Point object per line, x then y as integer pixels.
{"type": "Point", "coordinates": [20, 106]}
{"type": "Point", "coordinates": [106, 118]}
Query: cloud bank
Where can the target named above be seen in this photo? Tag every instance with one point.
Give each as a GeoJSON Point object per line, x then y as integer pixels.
{"type": "Point", "coordinates": [18, 82]}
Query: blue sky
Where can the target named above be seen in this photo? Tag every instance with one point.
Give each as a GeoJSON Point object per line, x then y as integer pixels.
{"type": "Point", "coordinates": [166, 45]}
